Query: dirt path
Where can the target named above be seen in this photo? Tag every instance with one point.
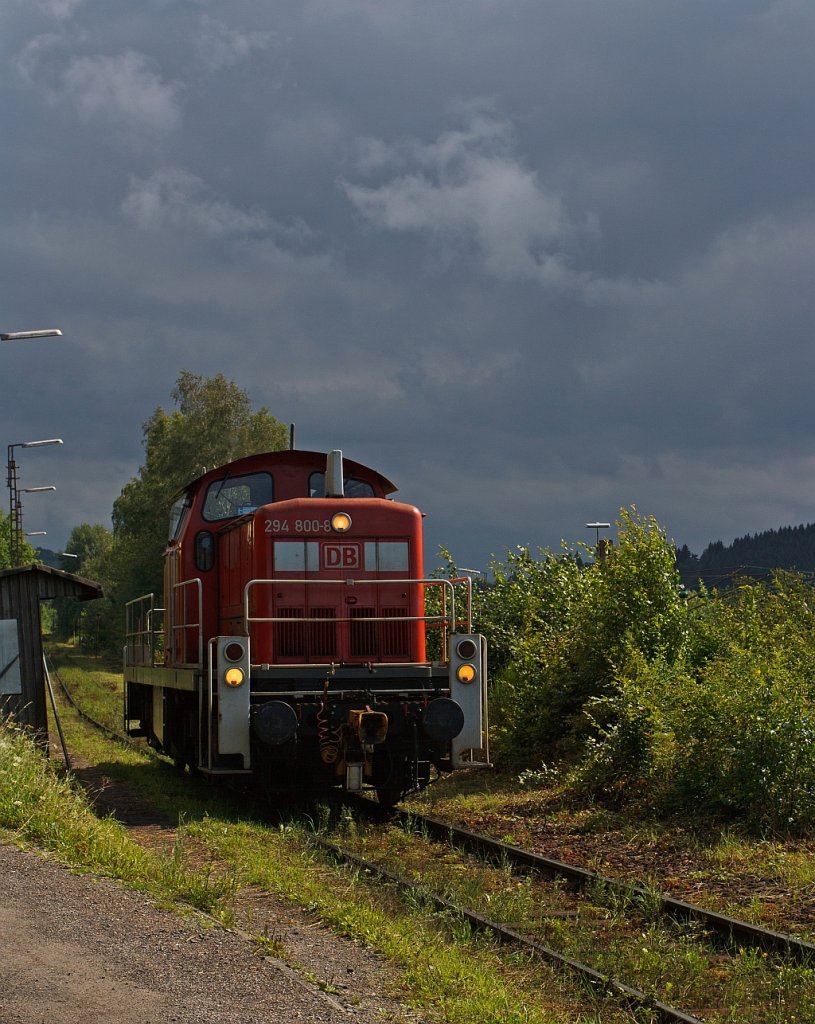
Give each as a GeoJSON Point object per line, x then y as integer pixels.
{"type": "Point", "coordinates": [83, 949]}
{"type": "Point", "coordinates": [79, 949]}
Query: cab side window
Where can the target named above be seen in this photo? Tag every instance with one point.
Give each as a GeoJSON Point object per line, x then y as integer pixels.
{"type": "Point", "coordinates": [177, 514]}
{"type": "Point", "coordinates": [204, 551]}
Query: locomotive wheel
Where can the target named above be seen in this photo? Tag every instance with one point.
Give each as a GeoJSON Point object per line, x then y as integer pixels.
{"type": "Point", "coordinates": [388, 778]}
{"type": "Point", "coordinates": [389, 796]}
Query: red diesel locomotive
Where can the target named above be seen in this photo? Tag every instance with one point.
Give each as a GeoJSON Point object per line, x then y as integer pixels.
{"type": "Point", "coordinates": [298, 640]}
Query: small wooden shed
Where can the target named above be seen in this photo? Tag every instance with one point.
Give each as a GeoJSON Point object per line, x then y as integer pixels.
{"type": "Point", "coordinates": [22, 681]}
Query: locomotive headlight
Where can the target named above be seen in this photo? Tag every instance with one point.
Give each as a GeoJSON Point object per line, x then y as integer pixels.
{"type": "Point", "coordinates": [234, 651]}
{"type": "Point", "coordinates": [233, 676]}
{"type": "Point", "coordinates": [341, 522]}
{"type": "Point", "coordinates": [466, 648]}
{"type": "Point", "coordinates": [466, 673]}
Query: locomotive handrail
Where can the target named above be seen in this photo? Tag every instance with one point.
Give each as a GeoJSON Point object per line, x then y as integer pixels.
{"type": "Point", "coordinates": [199, 625]}
{"type": "Point", "coordinates": [468, 581]}
{"type": "Point", "coordinates": [443, 618]}
{"type": "Point", "coordinates": [141, 613]}
{"type": "Point", "coordinates": [209, 699]}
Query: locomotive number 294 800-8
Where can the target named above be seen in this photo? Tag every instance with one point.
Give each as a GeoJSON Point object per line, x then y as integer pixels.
{"type": "Point", "coordinates": [298, 526]}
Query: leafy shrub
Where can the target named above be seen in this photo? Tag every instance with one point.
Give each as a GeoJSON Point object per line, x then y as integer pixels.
{"type": "Point", "coordinates": [729, 726]}
{"type": "Point", "coordinates": [557, 628]}
{"type": "Point", "coordinates": [677, 702]}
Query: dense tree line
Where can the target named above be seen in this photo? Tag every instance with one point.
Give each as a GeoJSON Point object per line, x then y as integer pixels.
{"type": "Point", "coordinates": [753, 555]}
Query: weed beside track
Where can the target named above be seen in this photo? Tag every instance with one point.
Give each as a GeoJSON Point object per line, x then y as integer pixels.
{"type": "Point", "coordinates": [448, 977]}
{"type": "Point", "coordinates": [678, 965]}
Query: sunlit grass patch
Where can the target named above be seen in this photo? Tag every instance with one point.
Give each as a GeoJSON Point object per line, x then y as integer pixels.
{"type": "Point", "coordinates": [95, 687]}
{"type": "Point", "coordinates": [464, 978]}
{"type": "Point", "coordinates": [40, 806]}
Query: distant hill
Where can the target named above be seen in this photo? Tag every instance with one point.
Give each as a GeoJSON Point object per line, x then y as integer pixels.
{"type": "Point", "coordinates": [754, 555]}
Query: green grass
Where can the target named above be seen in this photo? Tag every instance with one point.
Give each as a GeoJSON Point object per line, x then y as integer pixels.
{"type": "Point", "coordinates": [40, 807]}
{"type": "Point", "coordinates": [97, 689]}
{"type": "Point", "coordinates": [622, 936]}
{"type": "Point", "coordinates": [443, 968]}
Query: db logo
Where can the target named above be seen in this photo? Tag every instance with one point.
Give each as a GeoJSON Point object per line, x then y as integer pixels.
{"type": "Point", "coordinates": [340, 556]}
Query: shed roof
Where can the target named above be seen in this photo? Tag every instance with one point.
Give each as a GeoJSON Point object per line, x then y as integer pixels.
{"type": "Point", "coordinates": [54, 582]}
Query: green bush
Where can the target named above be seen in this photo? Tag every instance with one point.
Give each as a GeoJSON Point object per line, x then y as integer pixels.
{"type": "Point", "coordinates": [728, 728]}
{"type": "Point", "coordinates": [679, 703]}
{"type": "Point", "coordinates": [557, 629]}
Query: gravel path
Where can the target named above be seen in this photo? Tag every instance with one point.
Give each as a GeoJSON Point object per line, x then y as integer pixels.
{"type": "Point", "coordinates": [77, 949]}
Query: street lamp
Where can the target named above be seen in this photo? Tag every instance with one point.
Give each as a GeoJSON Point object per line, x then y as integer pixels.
{"type": "Point", "coordinates": [51, 332]}
{"type": "Point", "coordinates": [15, 507]}
{"type": "Point", "coordinates": [601, 547]}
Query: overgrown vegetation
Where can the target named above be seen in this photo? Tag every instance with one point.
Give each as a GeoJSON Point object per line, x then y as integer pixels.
{"type": "Point", "coordinates": [644, 693]}
{"type": "Point", "coordinates": [41, 807]}
{"type": "Point", "coordinates": [213, 423]}
{"type": "Point", "coordinates": [216, 856]}
{"type": "Point", "coordinates": [26, 551]}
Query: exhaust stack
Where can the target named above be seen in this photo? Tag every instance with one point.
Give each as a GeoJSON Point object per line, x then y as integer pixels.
{"type": "Point", "coordinates": [333, 475]}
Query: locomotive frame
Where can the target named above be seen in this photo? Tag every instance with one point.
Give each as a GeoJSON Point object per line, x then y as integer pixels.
{"type": "Point", "coordinates": [291, 644]}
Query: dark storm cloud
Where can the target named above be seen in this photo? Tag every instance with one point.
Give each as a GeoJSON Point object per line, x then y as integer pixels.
{"type": "Point", "coordinates": [533, 260]}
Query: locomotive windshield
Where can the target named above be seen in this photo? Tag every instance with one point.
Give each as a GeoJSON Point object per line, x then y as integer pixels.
{"type": "Point", "coordinates": [237, 495]}
{"type": "Point", "coordinates": [353, 488]}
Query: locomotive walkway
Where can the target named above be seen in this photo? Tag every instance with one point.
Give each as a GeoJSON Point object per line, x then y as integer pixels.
{"type": "Point", "coordinates": [81, 948]}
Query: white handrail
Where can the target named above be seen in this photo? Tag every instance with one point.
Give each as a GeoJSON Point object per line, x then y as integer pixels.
{"type": "Point", "coordinates": [447, 586]}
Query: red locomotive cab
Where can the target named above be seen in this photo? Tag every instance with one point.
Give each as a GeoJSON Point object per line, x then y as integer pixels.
{"type": "Point", "coordinates": [336, 581]}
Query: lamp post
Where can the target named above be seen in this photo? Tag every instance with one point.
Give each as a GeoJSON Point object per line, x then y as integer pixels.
{"type": "Point", "coordinates": [601, 547]}
{"type": "Point", "coordinates": [15, 506]}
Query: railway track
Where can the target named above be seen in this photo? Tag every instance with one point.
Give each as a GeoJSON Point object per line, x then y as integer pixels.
{"type": "Point", "coordinates": [602, 983]}
{"type": "Point", "coordinates": [717, 928]}
{"type": "Point", "coordinates": [729, 930]}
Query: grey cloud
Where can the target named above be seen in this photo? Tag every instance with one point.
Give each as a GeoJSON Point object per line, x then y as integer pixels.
{"type": "Point", "coordinates": [124, 91]}
{"type": "Point", "coordinates": [473, 190]}
{"type": "Point", "coordinates": [60, 9]}
{"type": "Point", "coordinates": [533, 261]}
{"type": "Point", "coordinates": [220, 46]}
{"type": "Point", "coordinates": [172, 198]}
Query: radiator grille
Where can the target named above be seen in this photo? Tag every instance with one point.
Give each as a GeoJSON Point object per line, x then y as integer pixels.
{"type": "Point", "coordinates": [323, 635]}
{"type": "Point", "coordinates": [379, 639]}
{"type": "Point", "coordinates": [306, 640]}
{"type": "Point", "coordinates": [395, 635]}
{"type": "Point", "coordinates": [362, 640]}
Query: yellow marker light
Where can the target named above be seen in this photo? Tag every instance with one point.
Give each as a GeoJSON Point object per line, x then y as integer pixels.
{"type": "Point", "coordinates": [233, 677]}
{"type": "Point", "coordinates": [341, 522]}
{"type": "Point", "coordinates": [465, 673]}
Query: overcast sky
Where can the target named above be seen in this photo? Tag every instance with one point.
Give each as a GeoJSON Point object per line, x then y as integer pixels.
{"type": "Point", "coordinates": [533, 260]}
